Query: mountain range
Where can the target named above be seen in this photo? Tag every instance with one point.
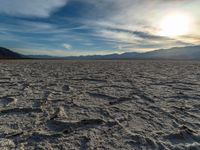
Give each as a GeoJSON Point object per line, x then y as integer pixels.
{"type": "Point", "coordinates": [8, 54]}
{"type": "Point", "coordinates": [189, 52]}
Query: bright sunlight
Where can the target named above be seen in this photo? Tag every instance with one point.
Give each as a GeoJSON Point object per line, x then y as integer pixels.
{"type": "Point", "coordinates": [175, 25]}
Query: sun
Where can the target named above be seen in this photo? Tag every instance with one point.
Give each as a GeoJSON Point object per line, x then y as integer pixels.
{"type": "Point", "coordinates": [176, 24]}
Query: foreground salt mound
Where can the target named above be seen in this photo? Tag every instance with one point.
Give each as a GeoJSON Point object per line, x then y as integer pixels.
{"type": "Point", "coordinates": [6, 144]}
{"type": "Point", "coordinates": [99, 105]}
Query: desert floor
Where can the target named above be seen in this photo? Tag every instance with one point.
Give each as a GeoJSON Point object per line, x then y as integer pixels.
{"type": "Point", "coordinates": [99, 105]}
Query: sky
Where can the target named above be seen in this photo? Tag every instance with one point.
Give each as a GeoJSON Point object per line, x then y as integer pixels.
{"type": "Point", "coordinates": [88, 27]}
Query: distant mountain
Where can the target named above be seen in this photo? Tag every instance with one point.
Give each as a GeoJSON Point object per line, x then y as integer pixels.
{"type": "Point", "coordinates": [8, 54]}
{"type": "Point", "coordinates": [105, 57]}
{"type": "Point", "coordinates": [190, 52]}
{"type": "Point", "coordinates": [42, 57]}
{"type": "Point", "coordinates": [89, 57]}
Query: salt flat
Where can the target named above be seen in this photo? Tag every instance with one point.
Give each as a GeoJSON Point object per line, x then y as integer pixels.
{"type": "Point", "coordinates": [99, 104]}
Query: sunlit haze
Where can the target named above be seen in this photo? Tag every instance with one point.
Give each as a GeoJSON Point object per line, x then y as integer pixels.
{"type": "Point", "coordinates": [175, 25]}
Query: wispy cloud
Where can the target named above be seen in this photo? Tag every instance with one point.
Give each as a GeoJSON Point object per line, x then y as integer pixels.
{"type": "Point", "coordinates": [137, 22]}
{"type": "Point", "coordinates": [67, 46]}
{"type": "Point", "coordinates": [33, 8]}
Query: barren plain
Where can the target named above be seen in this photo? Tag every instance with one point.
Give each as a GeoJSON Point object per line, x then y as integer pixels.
{"type": "Point", "coordinates": [141, 105]}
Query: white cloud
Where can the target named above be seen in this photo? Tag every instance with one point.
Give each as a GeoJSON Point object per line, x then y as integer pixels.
{"type": "Point", "coordinates": [138, 41]}
{"type": "Point", "coordinates": [67, 46]}
{"type": "Point", "coordinates": [33, 8]}
{"type": "Point", "coordinates": [118, 36]}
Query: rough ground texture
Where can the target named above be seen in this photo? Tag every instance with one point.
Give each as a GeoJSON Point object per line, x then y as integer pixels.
{"type": "Point", "coordinates": [142, 105]}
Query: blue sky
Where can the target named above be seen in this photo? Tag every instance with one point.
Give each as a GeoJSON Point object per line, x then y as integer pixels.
{"type": "Point", "coordinates": [82, 27]}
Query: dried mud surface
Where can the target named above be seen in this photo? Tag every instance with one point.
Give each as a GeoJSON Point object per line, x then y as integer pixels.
{"type": "Point", "coordinates": [141, 105]}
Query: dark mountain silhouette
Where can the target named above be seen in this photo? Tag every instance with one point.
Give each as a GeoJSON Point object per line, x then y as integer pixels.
{"type": "Point", "coordinates": [8, 54]}
{"type": "Point", "coordinates": [189, 52]}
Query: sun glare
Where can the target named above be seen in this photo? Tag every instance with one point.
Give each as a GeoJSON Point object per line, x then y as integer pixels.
{"type": "Point", "coordinates": [175, 25]}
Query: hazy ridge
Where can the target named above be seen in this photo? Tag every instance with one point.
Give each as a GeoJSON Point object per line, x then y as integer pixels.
{"type": "Point", "coordinates": [190, 52]}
